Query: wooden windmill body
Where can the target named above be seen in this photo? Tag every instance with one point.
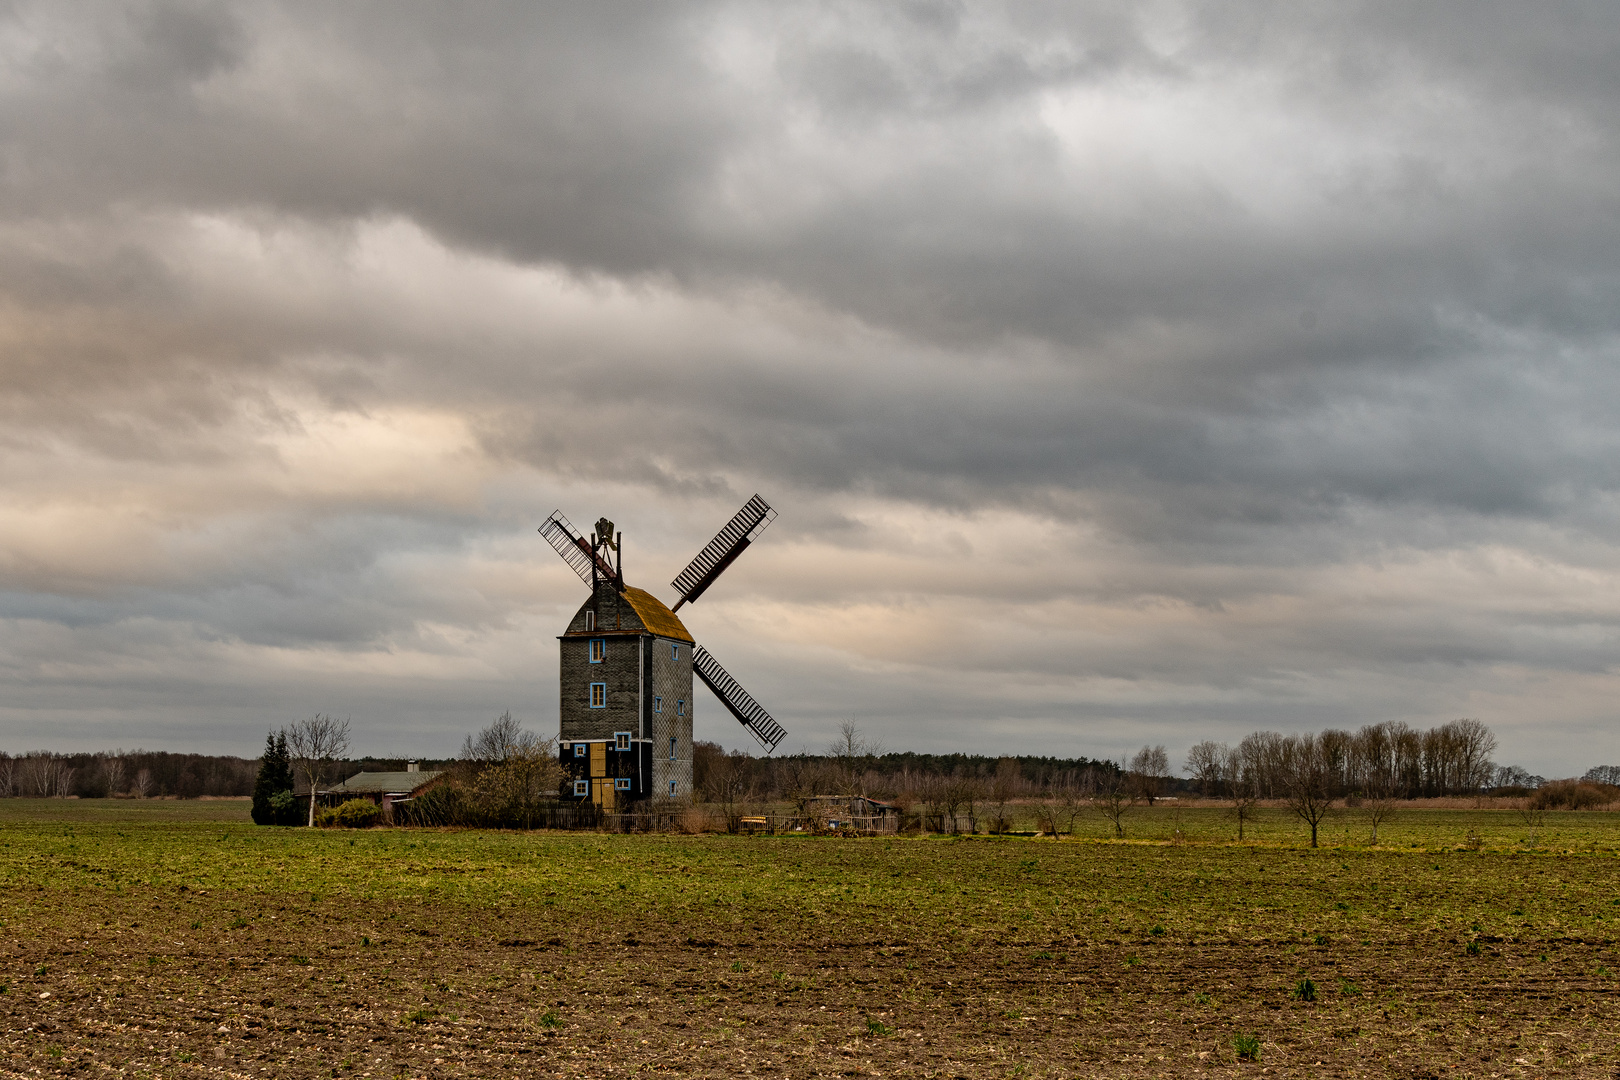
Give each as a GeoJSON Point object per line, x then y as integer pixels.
{"type": "Point", "coordinates": [626, 670]}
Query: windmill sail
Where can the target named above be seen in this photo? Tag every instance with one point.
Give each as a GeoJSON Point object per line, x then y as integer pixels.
{"type": "Point", "coordinates": [744, 527]}
{"type": "Point", "coordinates": [749, 712]}
{"type": "Point", "coordinates": [575, 550]}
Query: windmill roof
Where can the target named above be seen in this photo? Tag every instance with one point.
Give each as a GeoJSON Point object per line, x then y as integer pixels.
{"type": "Point", "coordinates": [655, 616]}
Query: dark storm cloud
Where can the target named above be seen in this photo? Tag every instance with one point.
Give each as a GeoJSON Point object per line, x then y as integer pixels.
{"type": "Point", "coordinates": [1262, 310]}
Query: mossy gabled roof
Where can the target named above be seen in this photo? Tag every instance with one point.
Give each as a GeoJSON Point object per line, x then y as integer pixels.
{"type": "Point", "coordinates": [657, 618]}
{"type": "Point", "coordinates": [387, 781]}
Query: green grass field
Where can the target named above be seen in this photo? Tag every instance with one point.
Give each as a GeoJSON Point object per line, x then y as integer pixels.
{"type": "Point", "coordinates": [177, 938]}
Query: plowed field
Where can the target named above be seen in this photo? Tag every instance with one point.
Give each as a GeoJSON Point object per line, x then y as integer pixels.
{"type": "Point", "coordinates": [165, 939]}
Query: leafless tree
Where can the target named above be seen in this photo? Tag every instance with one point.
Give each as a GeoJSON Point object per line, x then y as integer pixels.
{"type": "Point", "coordinates": [727, 786]}
{"type": "Point", "coordinates": [1239, 778]}
{"type": "Point", "coordinates": [802, 779]}
{"type": "Point", "coordinates": [1309, 781]}
{"type": "Point", "coordinates": [1205, 762]}
{"type": "Point", "coordinates": [504, 738]}
{"type": "Point", "coordinates": [1533, 812]}
{"type": "Point", "coordinates": [511, 773]}
{"type": "Point", "coordinates": [45, 775]}
{"type": "Point", "coordinates": [1111, 797]}
{"type": "Point", "coordinates": [1071, 794]}
{"type": "Point", "coordinates": [949, 797]}
{"type": "Point", "coordinates": [313, 744]}
{"type": "Point", "coordinates": [143, 784]}
{"type": "Point", "coordinates": [8, 776]}
{"type": "Point", "coordinates": [1148, 769]}
{"type": "Point", "coordinates": [112, 768]}
{"type": "Point", "coordinates": [1377, 774]}
{"type": "Point", "coordinates": [1006, 785]}
{"type": "Point", "coordinates": [1603, 774]}
{"type": "Point", "coordinates": [852, 753]}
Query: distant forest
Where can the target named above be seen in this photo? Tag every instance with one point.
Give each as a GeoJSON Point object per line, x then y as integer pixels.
{"type": "Point", "coordinates": [1380, 760]}
{"type": "Point", "coordinates": [149, 774]}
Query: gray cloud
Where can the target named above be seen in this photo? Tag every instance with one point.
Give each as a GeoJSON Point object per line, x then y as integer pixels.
{"type": "Point", "coordinates": [1282, 336]}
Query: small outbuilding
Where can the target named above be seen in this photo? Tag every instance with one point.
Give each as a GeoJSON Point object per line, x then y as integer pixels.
{"type": "Point", "coordinates": [383, 788]}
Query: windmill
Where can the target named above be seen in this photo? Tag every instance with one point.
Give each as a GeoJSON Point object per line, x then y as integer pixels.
{"type": "Point", "coordinates": [627, 662]}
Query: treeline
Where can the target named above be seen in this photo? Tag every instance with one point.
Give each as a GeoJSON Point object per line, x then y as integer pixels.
{"type": "Point", "coordinates": [1388, 760]}
{"type": "Point", "coordinates": [147, 774]}
{"type": "Point", "coordinates": [135, 774]}
{"type": "Point", "coordinates": [862, 770]}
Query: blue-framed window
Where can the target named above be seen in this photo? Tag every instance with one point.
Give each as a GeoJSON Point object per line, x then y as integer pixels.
{"type": "Point", "coordinates": [680, 708]}
{"type": "Point", "coordinates": [598, 650]}
{"type": "Point", "coordinates": [580, 749]}
{"type": "Point", "coordinates": [658, 704]}
{"type": "Point", "coordinates": [621, 785]}
{"type": "Point", "coordinates": [672, 749]}
{"type": "Point", "coordinates": [582, 788]}
{"type": "Point", "coordinates": [621, 740]}
{"type": "Point", "coordinates": [598, 695]}
{"type": "Point", "coordinates": [674, 652]}
{"type": "Point", "coordinates": [672, 787]}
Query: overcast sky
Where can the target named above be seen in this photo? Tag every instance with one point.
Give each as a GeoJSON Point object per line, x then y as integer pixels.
{"type": "Point", "coordinates": [1122, 373]}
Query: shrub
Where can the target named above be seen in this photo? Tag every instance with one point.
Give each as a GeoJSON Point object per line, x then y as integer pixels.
{"type": "Point", "coordinates": [353, 814]}
{"type": "Point", "coordinates": [1572, 795]}
{"type": "Point", "coordinates": [1247, 1047]}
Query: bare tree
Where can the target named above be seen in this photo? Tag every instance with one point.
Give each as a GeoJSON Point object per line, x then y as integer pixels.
{"type": "Point", "coordinates": [1309, 780]}
{"type": "Point", "coordinates": [728, 786]}
{"type": "Point", "coordinates": [1603, 774]}
{"type": "Point", "coordinates": [1533, 812]}
{"type": "Point", "coordinates": [1148, 769]}
{"type": "Point", "coordinates": [1242, 785]}
{"type": "Point", "coordinates": [143, 784]}
{"type": "Point", "coordinates": [504, 738]}
{"type": "Point", "coordinates": [1112, 796]}
{"type": "Point", "coordinates": [514, 772]}
{"type": "Point", "coordinates": [851, 753]}
{"type": "Point", "coordinates": [8, 776]}
{"type": "Point", "coordinates": [1005, 786]}
{"type": "Point", "coordinates": [112, 768]}
{"type": "Point", "coordinates": [1377, 774]}
{"type": "Point", "coordinates": [949, 797]}
{"type": "Point", "coordinates": [802, 779]}
{"type": "Point", "coordinates": [45, 775]}
{"type": "Point", "coordinates": [1205, 764]}
{"type": "Point", "coordinates": [312, 745]}
{"type": "Point", "coordinates": [1071, 794]}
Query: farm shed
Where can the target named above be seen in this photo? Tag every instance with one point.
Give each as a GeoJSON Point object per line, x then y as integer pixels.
{"type": "Point", "coordinates": [383, 788]}
{"type": "Point", "coordinates": [850, 813]}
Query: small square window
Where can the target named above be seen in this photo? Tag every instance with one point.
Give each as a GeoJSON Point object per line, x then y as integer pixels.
{"type": "Point", "coordinates": [590, 621]}
{"type": "Point", "coordinates": [598, 650]}
{"type": "Point", "coordinates": [582, 788]}
{"type": "Point", "coordinates": [674, 652]}
{"type": "Point", "coordinates": [672, 787]}
{"type": "Point", "coordinates": [680, 708]}
{"type": "Point", "coordinates": [579, 749]}
{"type": "Point", "coordinates": [672, 749]}
{"type": "Point", "coordinates": [658, 704]}
{"type": "Point", "coordinates": [621, 740]}
{"type": "Point", "coordinates": [598, 695]}
{"type": "Point", "coordinates": [621, 785]}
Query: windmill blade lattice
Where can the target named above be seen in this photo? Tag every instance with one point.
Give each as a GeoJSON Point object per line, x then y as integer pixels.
{"type": "Point", "coordinates": [575, 550]}
{"type": "Point", "coordinates": [750, 713]}
{"type": "Point", "coordinates": [743, 528]}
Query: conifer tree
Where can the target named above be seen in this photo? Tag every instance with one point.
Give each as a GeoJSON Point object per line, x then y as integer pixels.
{"type": "Point", "coordinates": [275, 777]}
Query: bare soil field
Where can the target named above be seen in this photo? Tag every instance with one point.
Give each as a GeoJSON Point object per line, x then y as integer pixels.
{"type": "Point", "coordinates": [176, 939]}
